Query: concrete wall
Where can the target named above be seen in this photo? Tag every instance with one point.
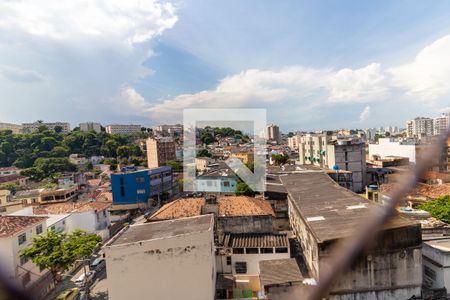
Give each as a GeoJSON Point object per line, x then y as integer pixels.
{"type": "Point", "coordinates": [249, 224]}
{"type": "Point", "coordinates": [388, 148]}
{"type": "Point", "coordinates": [176, 268]}
{"type": "Point", "coordinates": [436, 265]}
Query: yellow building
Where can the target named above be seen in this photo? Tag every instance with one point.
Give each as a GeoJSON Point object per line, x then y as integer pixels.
{"type": "Point", "coordinates": [245, 157]}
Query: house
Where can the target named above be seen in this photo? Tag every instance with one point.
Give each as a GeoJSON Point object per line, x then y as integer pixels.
{"type": "Point", "coordinates": [171, 259]}
{"type": "Point", "coordinates": [78, 160]}
{"type": "Point", "coordinates": [141, 189]}
{"type": "Point", "coordinates": [9, 171]}
{"type": "Point", "coordinates": [92, 217]}
{"type": "Point", "coordinates": [241, 254]}
{"type": "Point", "coordinates": [236, 214]}
{"type": "Point", "coordinates": [13, 179]}
{"type": "Point", "coordinates": [321, 213]}
{"type": "Point", "coordinates": [47, 195]}
{"type": "Point", "coordinates": [247, 157]}
{"type": "Point", "coordinates": [16, 233]}
{"type": "Point", "coordinates": [7, 203]}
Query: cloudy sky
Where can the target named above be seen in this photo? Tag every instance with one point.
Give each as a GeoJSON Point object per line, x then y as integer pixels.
{"type": "Point", "coordinates": [312, 64]}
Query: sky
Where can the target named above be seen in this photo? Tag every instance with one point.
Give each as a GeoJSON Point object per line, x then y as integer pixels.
{"type": "Point", "coordinates": [312, 64]}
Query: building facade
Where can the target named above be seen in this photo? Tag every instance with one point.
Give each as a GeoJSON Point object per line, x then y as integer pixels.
{"type": "Point", "coordinates": [31, 127]}
{"type": "Point", "coordinates": [91, 126]}
{"type": "Point", "coordinates": [440, 124]}
{"type": "Point", "coordinates": [123, 129]}
{"type": "Point", "coordinates": [159, 151]}
{"type": "Point", "coordinates": [163, 260]}
{"type": "Point", "coordinates": [16, 129]}
{"type": "Point", "coordinates": [419, 127]}
{"type": "Point", "coordinates": [273, 133]}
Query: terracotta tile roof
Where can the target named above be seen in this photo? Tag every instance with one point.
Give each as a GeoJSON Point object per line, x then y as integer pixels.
{"type": "Point", "coordinates": [234, 206]}
{"type": "Point", "coordinates": [94, 182]}
{"type": "Point", "coordinates": [11, 225]}
{"type": "Point", "coordinates": [432, 191]}
{"type": "Point", "coordinates": [279, 271]}
{"type": "Point", "coordinates": [72, 207]}
{"type": "Point", "coordinates": [104, 196]}
{"type": "Point", "coordinates": [180, 208]}
{"type": "Point", "coordinates": [231, 206]}
{"type": "Point", "coordinates": [436, 175]}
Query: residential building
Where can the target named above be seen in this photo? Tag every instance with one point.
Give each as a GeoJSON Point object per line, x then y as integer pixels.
{"type": "Point", "coordinates": [8, 204]}
{"type": "Point", "coordinates": [436, 264]}
{"type": "Point", "coordinates": [123, 129]}
{"type": "Point", "coordinates": [17, 233]}
{"type": "Point", "coordinates": [440, 124]}
{"type": "Point", "coordinates": [294, 142]}
{"type": "Point", "coordinates": [247, 157]}
{"type": "Point", "coordinates": [31, 127]}
{"type": "Point", "coordinates": [78, 159]}
{"type": "Point", "coordinates": [322, 213]}
{"type": "Point", "coordinates": [167, 260]}
{"type": "Point", "coordinates": [16, 129]}
{"type": "Point", "coordinates": [159, 151]}
{"type": "Point", "coordinates": [202, 164]}
{"type": "Point", "coordinates": [9, 171]}
{"type": "Point", "coordinates": [234, 214]}
{"type": "Point", "coordinates": [91, 126]}
{"type": "Point", "coordinates": [273, 133]}
{"type": "Point", "coordinates": [14, 179]}
{"type": "Point", "coordinates": [419, 127]}
{"type": "Point", "coordinates": [92, 217]}
{"type": "Point", "coordinates": [141, 189]}
{"type": "Point", "coordinates": [240, 255]}
{"type": "Point", "coordinates": [347, 154]}
{"type": "Point", "coordinates": [219, 184]}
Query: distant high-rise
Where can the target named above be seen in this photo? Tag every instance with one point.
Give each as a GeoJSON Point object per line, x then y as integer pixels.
{"type": "Point", "coordinates": [419, 127]}
{"type": "Point", "coordinates": [88, 126]}
{"type": "Point", "coordinates": [440, 124]}
{"type": "Point", "coordinates": [273, 133]}
{"type": "Point", "coordinates": [159, 151]}
{"type": "Point", "coordinates": [123, 129]}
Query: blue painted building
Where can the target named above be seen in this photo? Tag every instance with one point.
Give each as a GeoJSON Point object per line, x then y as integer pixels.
{"type": "Point", "coordinates": [141, 187]}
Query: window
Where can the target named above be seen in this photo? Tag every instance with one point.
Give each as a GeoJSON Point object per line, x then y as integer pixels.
{"type": "Point", "coordinates": [39, 229]}
{"type": "Point", "coordinates": [104, 213]}
{"type": "Point", "coordinates": [226, 183]}
{"type": "Point", "coordinates": [121, 180]}
{"type": "Point", "coordinates": [140, 191]}
{"type": "Point", "coordinates": [238, 251]}
{"type": "Point", "coordinates": [26, 278]}
{"type": "Point", "coordinates": [22, 238]}
{"type": "Point", "coordinates": [140, 179]}
{"type": "Point", "coordinates": [240, 267]}
{"type": "Point", "coordinates": [251, 250]}
{"type": "Point", "coordinates": [122, 191]}
{"type": "Point", "coordinates": [429, 272]}
{"type": "Point", "coordinates": [281, 250]}
{"type": "Point", "coordinates": [23, 260]}
{"type": "Point", "coordinates": [228, 260]}
{"type": "Point", "coordinates": [266, 250]}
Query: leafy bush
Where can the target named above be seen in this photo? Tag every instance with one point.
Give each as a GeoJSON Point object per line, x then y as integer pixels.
{"type": "Point", "coordinates": [438, 208]}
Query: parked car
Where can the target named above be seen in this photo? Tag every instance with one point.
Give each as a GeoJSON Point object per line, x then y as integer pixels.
{"type": "Point", "coordinates": [85, 278]}
{"type": "Point", "coordinates": [98, 264]}
{"type": "Point", "coordinates": [69, 294]}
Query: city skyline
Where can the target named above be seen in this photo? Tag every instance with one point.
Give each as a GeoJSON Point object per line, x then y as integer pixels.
{"type": "Point", "coordinates": [312, 65]}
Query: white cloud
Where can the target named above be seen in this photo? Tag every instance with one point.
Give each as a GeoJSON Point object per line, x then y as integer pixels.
{"type": "Point", "coordinates": [364, 115]}
{"type": "Point", "coordinates": [132, 21]}
{"type": "Point", "coordinates": [428, 75]}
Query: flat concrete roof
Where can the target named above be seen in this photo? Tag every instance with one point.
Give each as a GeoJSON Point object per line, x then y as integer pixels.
{"type": "Point", "coordinates": [330, 211]}
{"type": "Point", "coordinates": [443, 244]}
{"type": "Point", "coordinates": [163, 229]}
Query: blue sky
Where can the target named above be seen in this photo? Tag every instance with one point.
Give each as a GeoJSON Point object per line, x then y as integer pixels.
{"type": "Point", "coordinates": [312, 64]}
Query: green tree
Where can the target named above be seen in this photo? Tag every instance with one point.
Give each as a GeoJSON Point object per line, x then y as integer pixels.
{"type": "Point", "coordinates": [438, 208]}
{"type": "Point", "coordinates": [58, 129]}
{"type": "Point", "coordinates": [280, 159]}
{"type": "Point", "coordinates": [242, 189]}
{"type": "Point", "coordinates": [203, 153]}
{"type": "Point", "coordinates": [176, 165]}
{"type": "Point", "coordinates": [57, 252]}
{"type": "Point", "coordinates": [123, 151]}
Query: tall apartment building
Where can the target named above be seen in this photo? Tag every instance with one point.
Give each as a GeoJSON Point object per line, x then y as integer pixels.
{"type": "Point", "coordinates": [294, 141]}
{"type": "Point", "coordinates": [31, 127]}
{"type": "Point", "coordinates": [419, 127]}
{"type": "Point", "coordinates": [159, 151]}
{"type": "Point", "coordinates": [440, 124]}
{"type": "Point", "coordinates": [122, 129]}
{"type": "Point", "coordinates": [16, 129]}
{"type": "Point", "coordinates": [89, 126]}
{"type": "Point", "coordinates": [273, 133]}
{"type": "Point", "coordinates": [346, 154]}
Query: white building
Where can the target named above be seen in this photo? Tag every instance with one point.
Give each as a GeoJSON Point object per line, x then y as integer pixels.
{"type": "Point", "coordinates": [393, 147]}
{"type": "Point", "coordinates": [31, 127]}
{"type": "Point", "coordinates": [163, 260]}
{"type": "Point", "coordinates": [16, 233]}
{"type": "Point", "coordinates": [89, 126]}
{"type": "Point", "coordinates": [440, 124]}
{"type": "Point", "coordinates": [10, 171]}
{"type": "Point", "coordinates": [123, 129]}
{"type": "Point", "coordinates": [436, 264]}
{"type": "Point", "coordinates": [16, 129]}
{"type": "Point", "coordinates": [294, 141]}
{"type": "Point", "coordinates": [419, 127]}
{"type": "Point", "coordinates": [92, 217]}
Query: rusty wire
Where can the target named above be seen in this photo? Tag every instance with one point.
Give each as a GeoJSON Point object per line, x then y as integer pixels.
{"type": "Point", "coordinates": [347, 250]}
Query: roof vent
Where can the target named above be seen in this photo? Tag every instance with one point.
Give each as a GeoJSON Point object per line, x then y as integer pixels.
{"type": "Point", "coordinates": [313, 219]}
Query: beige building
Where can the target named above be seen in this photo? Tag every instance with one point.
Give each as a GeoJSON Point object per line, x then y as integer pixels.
{"type": "Point", "coordinates": [294, 142]}
{"type": "Point", "coordinates": [419, 127]}
{"type": "Point", "coordinates": [163, 260]}
{"type": "Point", "coordinates": [8, 204]}
{"type": "Point", "coordinates": [123, 129]}
{"type": "Point", "coordinates": [16, 129]}
{"type": "Point", "coordinates": [440, 124]}
{"type": "Point", "coordinates": [273, 133]}
{"type": "Point", "coordinates": [44, 196]}
{"type": "Point", "coordinates": [31, 127]}
{"type": "Point", "coordinates": [159, 151]}
{"type": "Point", "coordinates": [10, 171]}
